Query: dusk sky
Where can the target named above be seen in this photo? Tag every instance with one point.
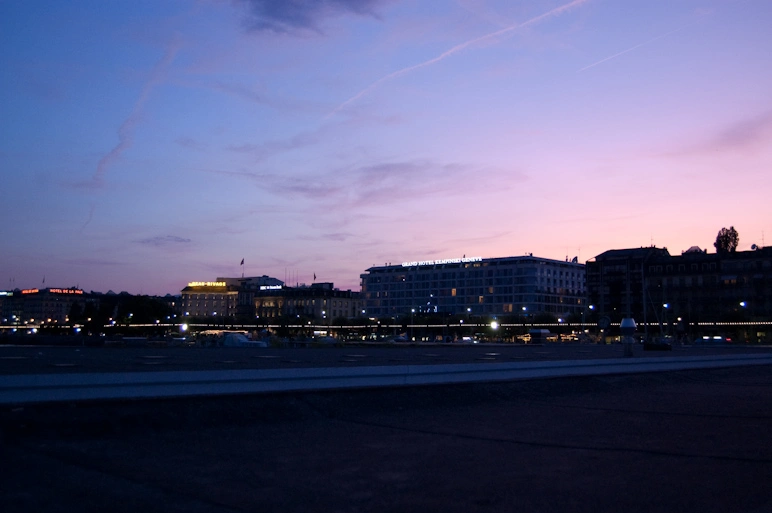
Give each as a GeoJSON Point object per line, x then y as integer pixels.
{"type": "Point", "coordinates": [146, 144]}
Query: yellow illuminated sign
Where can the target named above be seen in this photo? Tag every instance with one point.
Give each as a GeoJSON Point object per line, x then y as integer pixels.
{"type": "Point", "coordinates": [206, 284]}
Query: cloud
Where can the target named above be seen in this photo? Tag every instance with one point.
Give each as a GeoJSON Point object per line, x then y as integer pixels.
{"type": "Point", "coordinates": [381, 184]}
{"type": "Point", "coordinates": [288, 16]}
{"type": "Point", "coordinates": [162, 241]}
{"type": "Point", "coordinates": [487, 37]}
{"type": "Point", "coordinates": [270, 148]}
{"type": "Point", "coordinates": [481, 239]}
{"type": "Point", "coordinates": [334, 237]}
{"type": "Point", "coordinates": [744, 135]}
{"type": "Point", "coordinates": [92, 262]}
{"type": "Point", "coordinates": [190, 143]}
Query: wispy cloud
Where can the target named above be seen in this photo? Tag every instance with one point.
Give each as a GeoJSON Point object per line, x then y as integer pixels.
{"type": "Point", "coordinates": [481, 239]}
{"type": "Point", "coordinates": [334, 237]}
{"type": "Point", "coordinates": [165, 240]}
{"type": "Point", "coordinates": [380, 184]}
{"type": "Point", "coordinates": [190, 143]}
{"type": "Point", "coordinates": [92, 262]}
{"type": "Point", "coordinates": [270, 148]}
{"type": "Point", "coordinates": [287, 16]}
{"type": "Point", "coordinates": [744, 135]}
{"type": "Point", "coordinates": [448, 53]}
{"type": "Point", "coordinates": [255, 94]}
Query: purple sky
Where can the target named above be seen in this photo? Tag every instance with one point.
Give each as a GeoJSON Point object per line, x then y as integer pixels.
{"type": "Point", "coordinates": [146, 144]}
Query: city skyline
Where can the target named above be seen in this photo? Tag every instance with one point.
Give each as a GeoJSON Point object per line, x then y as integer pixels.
{"type": "Point", "coordinates": [146, 145]}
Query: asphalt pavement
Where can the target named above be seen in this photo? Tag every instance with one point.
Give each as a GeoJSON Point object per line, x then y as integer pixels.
{"type": "Point", "coordinates": [69, 360]}
{"type": "Point", "coordinates": [687, 441]}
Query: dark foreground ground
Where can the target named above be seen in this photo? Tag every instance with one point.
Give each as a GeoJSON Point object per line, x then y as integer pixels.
{"type": "Point", "coordinates": [688, 441]}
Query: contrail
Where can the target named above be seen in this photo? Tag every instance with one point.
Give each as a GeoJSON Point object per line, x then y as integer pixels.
{"type": "Point", "coordinates": [126, 130]}
{"type": "Point", "coordinates": [554, 12]}
{"type": "Point", "coordinates": [90, 217]}
{"type": "Point", "coordinates": [632, 48]}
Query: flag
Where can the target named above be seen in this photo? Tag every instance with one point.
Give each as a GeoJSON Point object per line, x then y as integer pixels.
{"type": "Point", "coordinates": [242, 261]}
{"type": "Point", "coordinates": [314, 276]}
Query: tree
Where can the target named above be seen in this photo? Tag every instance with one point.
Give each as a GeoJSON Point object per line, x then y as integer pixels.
{"type": "Point", "coordinates": [727, 240]}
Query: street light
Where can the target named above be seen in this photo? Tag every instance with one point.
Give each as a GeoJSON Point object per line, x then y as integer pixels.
{"type": "Point", "coordinates": [665, 306]}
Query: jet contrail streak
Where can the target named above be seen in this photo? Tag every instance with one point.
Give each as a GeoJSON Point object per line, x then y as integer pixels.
{"type": "Point", "coordinates": [126, 130]}
{"type": "Point", "coordinates": [554, 12]}
{"type": "Point", "coordinates": [631, 49]}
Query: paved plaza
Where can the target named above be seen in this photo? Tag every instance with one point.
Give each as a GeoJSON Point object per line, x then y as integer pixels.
{"type": "Point", "coordinates": [689, 441]}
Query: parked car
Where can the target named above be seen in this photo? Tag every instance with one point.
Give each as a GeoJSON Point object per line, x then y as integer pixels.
{"type": "Point", "coordinates": [716, 339]}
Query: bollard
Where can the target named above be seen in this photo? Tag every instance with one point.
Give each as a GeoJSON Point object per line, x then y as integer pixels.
{"type": "Point", "coordinates": [627, 327]}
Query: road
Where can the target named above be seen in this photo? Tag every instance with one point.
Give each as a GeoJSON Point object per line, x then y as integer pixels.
{"type": "Point", "coordinates": [61, 360]}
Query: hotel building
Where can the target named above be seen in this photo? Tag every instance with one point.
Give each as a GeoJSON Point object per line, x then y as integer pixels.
{"type": "Point", "coordinates": [524, 285]}
{"type": "Point", "coordinates": [209, 299]}
{"type": "Point", "coordinates": [319, 301]}
{"type": "Point", "coordinates": [47, 305]}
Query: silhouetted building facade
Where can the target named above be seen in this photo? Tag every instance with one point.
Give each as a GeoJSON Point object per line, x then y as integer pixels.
{"type": "Point", "coordinates": [651, 285]}
{"type": "Point", "coordinates": [319, 301]}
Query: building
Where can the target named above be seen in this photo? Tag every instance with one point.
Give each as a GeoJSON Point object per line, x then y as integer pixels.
{"type": "Point", "coordinates": [248, 289]}
{"type": "Point", "coordinates": [653, 286]}
{"type": "Point", "coordinates": [319, 301]}
{"type": "Point", "coordinates": [524, 285]}
{"type": "Point", "coordinates": [44, 306]}
{"type": "Point", "coordinates": [615, 282]}
{"type": "Point", "coordinates": [209, 299]}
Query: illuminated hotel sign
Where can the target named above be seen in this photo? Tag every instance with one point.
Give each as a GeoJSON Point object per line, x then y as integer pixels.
{"type": "Point", "coordinates": [270, 287]}
{"type": "Point", "coordinates": [65, 291]}
{"type": "Point", "coordinates": [53, 291]}
{"type": "Point", "coordinates": [445, 261]}
{"type": "Point", "coordinates": [206, 284]}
